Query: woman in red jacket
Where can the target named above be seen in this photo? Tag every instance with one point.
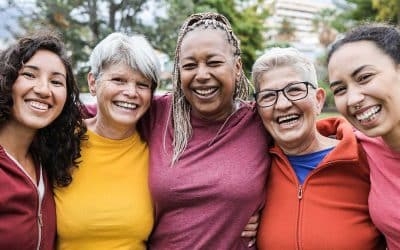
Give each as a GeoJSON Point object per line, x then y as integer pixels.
{"type": "Point", "coordinates": [40, 132]}
{"type": "Point", "coordinates": [317, 189]}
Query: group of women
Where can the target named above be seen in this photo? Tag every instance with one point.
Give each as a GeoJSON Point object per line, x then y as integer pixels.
{"type": "Point", "coordinates": [188, 170]}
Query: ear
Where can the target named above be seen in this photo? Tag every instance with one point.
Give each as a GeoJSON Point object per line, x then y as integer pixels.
{"type": "Point", "coordinates": [320, 96]}
{"type": "Point", "coordinates": [238, 67]}
{"type": "Point", "coordinates": [91, 83]}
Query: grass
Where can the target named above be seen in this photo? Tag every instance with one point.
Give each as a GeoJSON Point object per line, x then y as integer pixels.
{"type": "Point", "coordinates": [329, 114]}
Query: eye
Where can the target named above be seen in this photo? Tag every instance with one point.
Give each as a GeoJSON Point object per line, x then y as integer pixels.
{"type": "Point", "coordinates": [57, 82]}
{"type": "Point", "coordinates": [294, 90]}
{"type": "Point", "coordinates": [28, 75]}
{"type": "Point", "coordinates": [118, 81]}
{"type": "Point", "coordinates": [338, 90]}
{"type": "Point", "coordinates": [189, 66]}
{"type": "Point", "coordinates": [364, 77]}
{"type": "Point", "coordinates": [215, 63]}
{"type": "Point", "coordinates": [267, 96]}
{"type": "Point", "coordinates": [142, 85]}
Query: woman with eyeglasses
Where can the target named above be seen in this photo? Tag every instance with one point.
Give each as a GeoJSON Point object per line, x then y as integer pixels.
{"type": "Point", "coordinates": [317, 188]}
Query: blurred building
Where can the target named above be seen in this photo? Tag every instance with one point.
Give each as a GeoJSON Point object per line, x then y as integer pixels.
{"type": "Point", "coordinates": [292, 21]}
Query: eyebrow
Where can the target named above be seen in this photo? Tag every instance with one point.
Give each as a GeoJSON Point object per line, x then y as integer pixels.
{"type": "Point", "coordinates": [208, 56]}
{"type": "Point", "coordinates": [37, 69]}
{"type": "Point", "coordinates": [353, 74]}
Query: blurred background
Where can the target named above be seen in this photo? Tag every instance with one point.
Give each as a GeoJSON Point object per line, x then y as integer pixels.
{"type": "Point", "coordinates": [308, 25]}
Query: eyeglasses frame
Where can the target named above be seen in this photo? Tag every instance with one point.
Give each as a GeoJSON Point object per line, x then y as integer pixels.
{"type": "Point", "coordinates": [283, 92]}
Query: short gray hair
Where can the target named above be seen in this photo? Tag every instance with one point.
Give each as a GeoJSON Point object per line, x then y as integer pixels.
{"type": "Point", "coordinates": [135, 51]}
{"type": "Point", "coordinates": [281, 57]}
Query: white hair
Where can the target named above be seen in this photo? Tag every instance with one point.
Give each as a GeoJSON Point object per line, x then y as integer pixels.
{"type": "Point", "coordinates": [281, 57]}
{"type": "Point", "coordinates": [135, 51]}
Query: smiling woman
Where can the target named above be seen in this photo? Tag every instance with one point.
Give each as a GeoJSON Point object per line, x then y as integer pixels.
{"type": "Point", "coordinates": [208, 160]}
{"type": "Point", "coordinates": [319, 175]}
{"type": "Point", "coordinates": [108, 203]}
{"type": "Point", "coordinates": [40, 133]}
{"type": "Point", "coordinates": [364, 71]}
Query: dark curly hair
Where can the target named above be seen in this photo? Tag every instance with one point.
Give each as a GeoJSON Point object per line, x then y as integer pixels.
{"type": "Point", "coordinates": [56, 146]}
{"type": "Point", "coordinates": [384, 36]}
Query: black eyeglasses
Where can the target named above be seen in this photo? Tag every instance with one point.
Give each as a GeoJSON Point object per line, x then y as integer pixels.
{"type": "Point", "coordinates": [293, 92]}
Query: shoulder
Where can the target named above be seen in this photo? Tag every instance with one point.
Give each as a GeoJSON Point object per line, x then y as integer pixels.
{"type": "Point", "coordinates": [162, 100]}
{"type": "Point", "coordinates": [369, 143]}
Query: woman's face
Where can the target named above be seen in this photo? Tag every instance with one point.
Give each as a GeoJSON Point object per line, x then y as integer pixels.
{"type": "Point", "coordinates": [366, 86]}
{"type": "Point", "coordinates": [290, 123]}
{"type": "Point", "coordinates": [40, 91]}
{"type": "Point", "coordinates": [123, 96]}
{"type": "Point", "coordinates": [208, 72]}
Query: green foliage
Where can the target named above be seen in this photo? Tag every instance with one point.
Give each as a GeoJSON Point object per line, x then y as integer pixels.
{"type": "Point", "coordinates": [247, 22]}
{"type": "Point", "coordinates": [164, 33]}
{"type": "Point", "coordinates": [387, 10]}
{"type": "Point", "coordinates": [361, 11]}
{"type": "Point", "coordinates": [83, 23]}
{"type": "Point", "coordinates": [286, 31]}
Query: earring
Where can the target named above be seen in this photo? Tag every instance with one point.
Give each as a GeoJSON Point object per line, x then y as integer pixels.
{"type": "Point", "coordinates": [357, 106]}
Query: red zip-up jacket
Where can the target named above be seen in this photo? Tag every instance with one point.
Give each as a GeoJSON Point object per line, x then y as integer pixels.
{"type": "Point", "coordinates": [330, 209]}
{"type": "Point", "coordinates": [25, 221]}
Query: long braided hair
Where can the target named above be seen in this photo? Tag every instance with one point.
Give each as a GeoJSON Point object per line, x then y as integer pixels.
{"type": "Point", "coordinates": [181, 107]}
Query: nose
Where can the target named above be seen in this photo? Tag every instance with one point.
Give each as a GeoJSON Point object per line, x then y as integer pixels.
{"type": "Point", "coordinates": [42, 88]}
{"type": "Point", "coordinates": [282, 102]}
{"type": "Point", "coordinates": [130, 90]}
{"type": "Point", "coordinates": [202, 73]}
{"type": "Point", "coordinates": [354, 95]}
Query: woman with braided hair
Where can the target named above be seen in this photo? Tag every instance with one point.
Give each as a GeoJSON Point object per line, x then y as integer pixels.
{"type": "Point", "coordinates": [208, 160]}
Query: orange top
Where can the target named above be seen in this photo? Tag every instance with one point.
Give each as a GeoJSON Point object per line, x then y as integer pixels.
{"type": "Point", "coordinates": [330, 209]}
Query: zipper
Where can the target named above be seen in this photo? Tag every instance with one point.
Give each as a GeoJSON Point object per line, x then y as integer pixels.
{"type": "Point", "coordinates": [39, 215]}
{"type": "Point", "coordinates": [300, 192]}
{"type": "Point", "coordinates": [40, 222]}
{"type": "Point", "coordinates": [299, 197]}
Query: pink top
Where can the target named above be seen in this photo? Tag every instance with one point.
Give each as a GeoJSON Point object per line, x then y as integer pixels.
{"type": "Point", "coordinates": [207, 198]}
{"type": "Point", "coordinates": [384, 197]}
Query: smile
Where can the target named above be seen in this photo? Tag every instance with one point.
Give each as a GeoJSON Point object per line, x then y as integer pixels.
{"type": "Point", "coordinates": [205, 92]}
{"type": "Point", "coordinates": [288, 119]}
{"type": "Point", "coordinates": [126, 105]}
{"type": "Point", "coordinates": [39, 105]}
{"type": "Point", "coordinates": [368, 114]}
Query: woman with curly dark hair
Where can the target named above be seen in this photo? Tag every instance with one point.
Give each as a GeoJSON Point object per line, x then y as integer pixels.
{"type": "Point", "coordinates": [40, 133]}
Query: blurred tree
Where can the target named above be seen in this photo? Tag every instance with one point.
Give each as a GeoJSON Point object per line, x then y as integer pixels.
{"type": "Point", "coordinates": [247, 22]}
{"type": "Point", "coordinates": [286, 31]}
{"type": "Point", "coordinates": [83, 23]}
{"type": "Point", "coordinates": [247, 19]}
{"type": "Point", "coordinates": [358, 11]}
{"type": "Point", "coordinates": [323, 23]}
{"type": "Point", "coordinates": [388, 10]}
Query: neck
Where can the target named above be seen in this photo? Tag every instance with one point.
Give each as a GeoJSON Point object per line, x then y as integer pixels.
{"type": "Point", "coordinates": [223, 115]}
{"type": "Point", "coordinates": [317, 142]}
{"type": "Point", "coordinates": [16, 140]}
{"type": "Point", "coordinates": [392, 139]}
{"type": "Point", "coordinates": [110, 131]}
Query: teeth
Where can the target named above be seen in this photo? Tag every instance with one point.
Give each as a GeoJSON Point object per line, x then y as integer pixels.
{"type": "Point", "coordinates": [126, 105]}
{"type": "Point", "coordinates": [288, 119]}
{"type": "Point", "coordinates": [205, 92]}
{"type": "Point", "coordinates": [39, 105]}
{"type": "Point", "coordinates": [369, 114]}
